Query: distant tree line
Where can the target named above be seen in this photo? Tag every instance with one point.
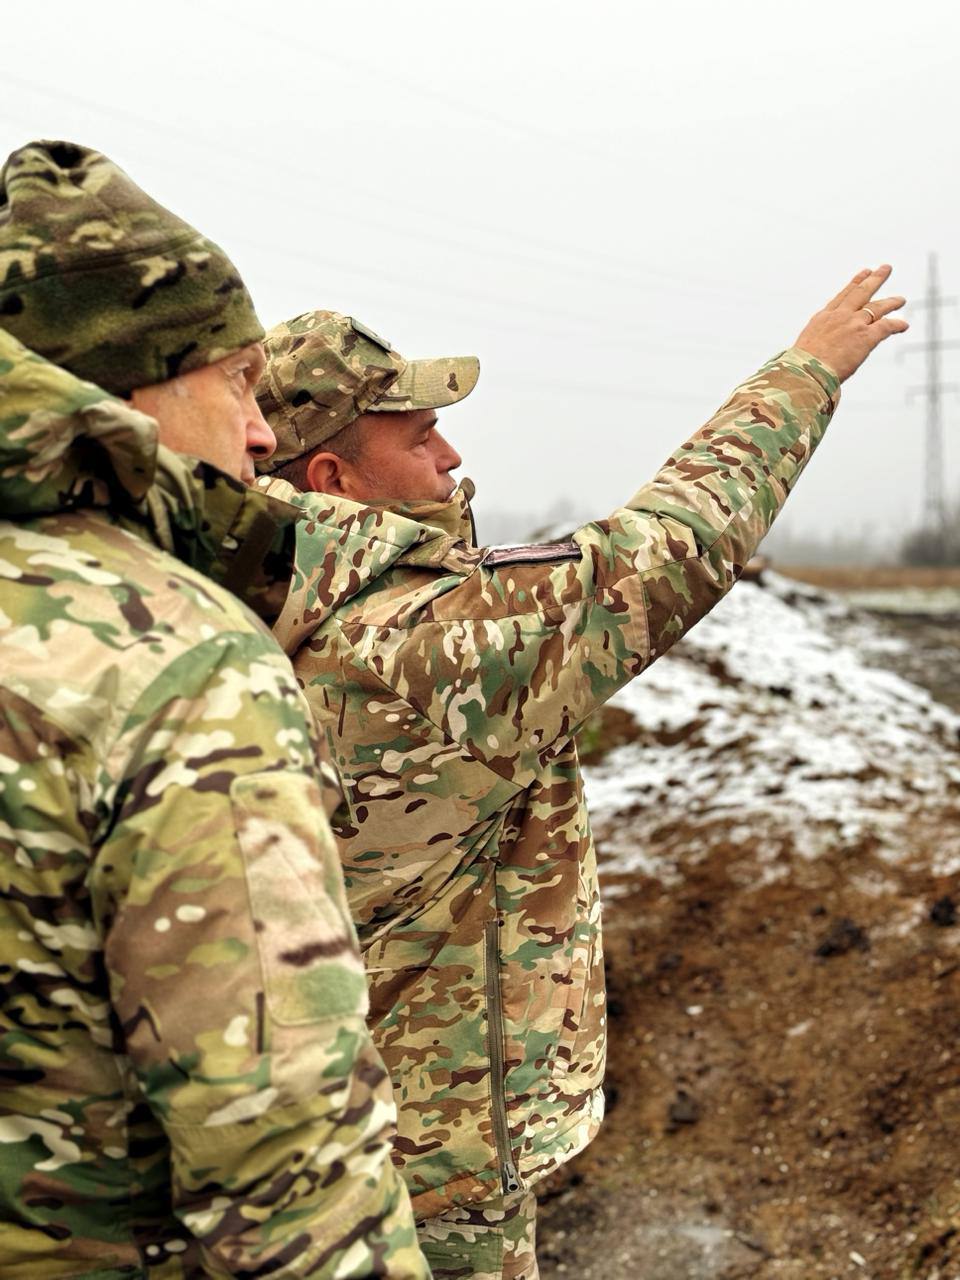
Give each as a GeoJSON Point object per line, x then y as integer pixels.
{"type": "Point", "coordinates": [868, 545]}
{"type": "Point", "coordinates": [930, 545]}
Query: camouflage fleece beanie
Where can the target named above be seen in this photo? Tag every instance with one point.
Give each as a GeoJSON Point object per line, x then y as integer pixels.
{"type": "Point", "coordinates": [104, 281]}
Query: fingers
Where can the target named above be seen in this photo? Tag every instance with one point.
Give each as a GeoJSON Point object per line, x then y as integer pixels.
{"type": "Point", "coordinates": [887, 327]}
{"type": "Point", "coordinates": [857, 279]}
{"type": "Point", "coordinates": [883, 306]}
{"type": "Point", "coordinates": [886, 324]}
{"type": "Point", "coordinates": [864, 290]}
{"type": "Point", "coordinates": [845, 332]}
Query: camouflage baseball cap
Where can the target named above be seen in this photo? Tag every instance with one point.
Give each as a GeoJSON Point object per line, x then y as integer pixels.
{"type": "Point", "coordinates": [102, 280]}
{"type": "Point", "coordinates": [324, 369]}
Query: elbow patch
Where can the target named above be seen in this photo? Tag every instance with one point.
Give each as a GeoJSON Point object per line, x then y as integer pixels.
{"type": "Point", "coordinates": [309, 957]}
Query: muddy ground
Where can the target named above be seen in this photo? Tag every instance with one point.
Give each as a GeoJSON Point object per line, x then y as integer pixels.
{"type": "Point", "coordinates": [784, 1073]}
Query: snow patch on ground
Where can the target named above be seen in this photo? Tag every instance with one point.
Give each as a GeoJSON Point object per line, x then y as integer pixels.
{"type": "Point", "coordinates": [770, 722]}
{"type": "Point", "coordinates": [943, 601]}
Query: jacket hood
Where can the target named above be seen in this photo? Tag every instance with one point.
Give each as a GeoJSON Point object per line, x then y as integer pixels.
{"type": "Point", "coordinates": [344, 546]}
{"type": "Point", "coordinates": [67, 445]}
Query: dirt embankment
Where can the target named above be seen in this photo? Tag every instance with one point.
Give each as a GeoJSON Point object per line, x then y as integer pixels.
{"type": "Point", "coordinates": [784, 1076]}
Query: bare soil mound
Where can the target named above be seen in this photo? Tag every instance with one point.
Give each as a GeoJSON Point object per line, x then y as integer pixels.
{"type": "Point", "coordinates": [776, 814]}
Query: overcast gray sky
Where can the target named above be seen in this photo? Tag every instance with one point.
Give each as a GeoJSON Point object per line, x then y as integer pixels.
{"type": "Point", "coordinates": [622, 208]}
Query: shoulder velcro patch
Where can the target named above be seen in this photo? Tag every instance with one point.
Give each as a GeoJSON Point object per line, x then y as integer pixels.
{"type": "Point", "coordinates": [531, 553]}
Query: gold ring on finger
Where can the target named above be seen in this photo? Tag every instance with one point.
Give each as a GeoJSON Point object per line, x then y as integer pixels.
{"type": "Point", "coordinates": [871, 314]}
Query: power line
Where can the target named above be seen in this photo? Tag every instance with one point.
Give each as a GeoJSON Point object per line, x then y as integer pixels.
{"type": "Point", "coordinates": [345, 207]}
{"type": "Point", "coordinates": [365, 71]}
{"type": "Point", "coordinates": [571, 255]}
{"type": "Point", "coordinates": [578, 325]}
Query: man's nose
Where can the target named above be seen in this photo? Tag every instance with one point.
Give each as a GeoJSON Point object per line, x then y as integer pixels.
{"type": "Point", "coordinates": [447, 457]}
{"type": "Point", "coordinates": [261, 442]}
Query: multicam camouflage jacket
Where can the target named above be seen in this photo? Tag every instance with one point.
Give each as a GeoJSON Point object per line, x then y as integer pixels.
{"type": "Point", "coordinates": [189, 1088]}
{"type": "Point", "coordinates": [450, 681]}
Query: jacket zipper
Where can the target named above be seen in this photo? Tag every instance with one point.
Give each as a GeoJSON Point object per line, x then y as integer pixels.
{"type": "Point", "coordinates": [509, 1177]}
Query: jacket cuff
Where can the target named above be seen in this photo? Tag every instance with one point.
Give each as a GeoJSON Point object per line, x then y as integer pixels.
{"type": "Point", "coordinates": [803, 362]}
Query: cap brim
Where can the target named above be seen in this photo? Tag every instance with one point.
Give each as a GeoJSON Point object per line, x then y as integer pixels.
{"type": "Point", "coordinates": [430, 384]}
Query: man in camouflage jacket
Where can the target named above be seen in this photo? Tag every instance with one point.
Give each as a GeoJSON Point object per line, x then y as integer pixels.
{"type": "Point", "coordinates": [450, 680]}
{"type": "Point", "coordinates": [189, 1088]}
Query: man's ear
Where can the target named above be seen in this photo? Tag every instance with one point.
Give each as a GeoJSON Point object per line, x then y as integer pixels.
{"type": "Point", "coordinates": [325, 474]}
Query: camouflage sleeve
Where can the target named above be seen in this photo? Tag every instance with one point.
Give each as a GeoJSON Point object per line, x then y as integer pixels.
{"type": "Point", "coordinates": [236, 979]}
{"type": "Point", "coordinates": [559, 638]}
{"type": "Point", "coordinates": [697, 523]}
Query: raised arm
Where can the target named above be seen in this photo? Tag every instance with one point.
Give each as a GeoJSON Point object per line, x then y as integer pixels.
{"type": "Point", "coordinates": [559, 629]}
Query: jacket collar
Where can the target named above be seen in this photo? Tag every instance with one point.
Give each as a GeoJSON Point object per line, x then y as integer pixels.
{"type": "Point", "coordinates": [344, 546]}
{"type": "Point", "coordinates": [66, 445]}
{"type": "Point", "coordinates": [238, 537]}
{"type": "Point", "coordinates": [453, 516]}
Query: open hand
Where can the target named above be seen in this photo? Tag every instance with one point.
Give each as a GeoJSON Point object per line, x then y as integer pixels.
{"type": "Point", "coordinates": [848, 328]}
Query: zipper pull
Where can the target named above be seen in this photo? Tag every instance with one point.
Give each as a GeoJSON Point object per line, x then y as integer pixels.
{"type": "Point", "coordinates": [509, 1177]}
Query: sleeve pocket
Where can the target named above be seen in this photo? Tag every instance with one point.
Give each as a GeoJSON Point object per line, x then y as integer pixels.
{"type": "Point", "coordinates": [311, 964]}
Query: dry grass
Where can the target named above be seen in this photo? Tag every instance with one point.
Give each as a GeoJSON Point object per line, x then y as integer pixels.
{"type": "Point", "coordinates": [858, 577]}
